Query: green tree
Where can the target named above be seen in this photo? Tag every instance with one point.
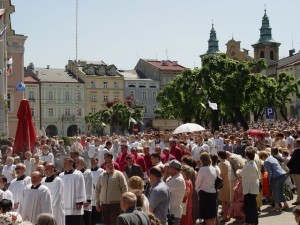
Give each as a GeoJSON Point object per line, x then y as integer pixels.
{"type": "Point", "coordinates": [179, 98]}
{"type": "Point", "coordinates": [117, 115]}
{"type": "Point", "coordinates": [286, 86]}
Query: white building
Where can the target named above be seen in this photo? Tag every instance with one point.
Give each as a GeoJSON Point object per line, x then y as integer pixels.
{"type": "Point", "coordinates": [62, 102]}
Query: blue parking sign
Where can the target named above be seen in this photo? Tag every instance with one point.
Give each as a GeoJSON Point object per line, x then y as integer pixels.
{"type": "Point", "coordinates": [270, 113]}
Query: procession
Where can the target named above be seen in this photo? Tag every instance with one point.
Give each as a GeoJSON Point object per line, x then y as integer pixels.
{"type": "Point", "coordinates": [192, 177]}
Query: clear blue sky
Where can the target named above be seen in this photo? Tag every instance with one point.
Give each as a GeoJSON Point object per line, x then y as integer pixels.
{"type": "Point", "coordinates": [121, 31]}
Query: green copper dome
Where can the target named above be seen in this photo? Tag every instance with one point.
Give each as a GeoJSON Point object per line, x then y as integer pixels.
{"type": "Point", "coordinates": [213, 42]}
{"type": "Point", "coordinates": [265, 30]}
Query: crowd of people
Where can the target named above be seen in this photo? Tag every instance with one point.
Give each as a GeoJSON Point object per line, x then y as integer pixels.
{"type": "Point", "coordinates": [153, 178]}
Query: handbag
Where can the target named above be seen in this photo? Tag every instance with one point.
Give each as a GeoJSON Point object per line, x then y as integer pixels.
{"type": "Point", "coordinates": [170, 218]}
{"type": "Point", "coordinates": [219, 183]}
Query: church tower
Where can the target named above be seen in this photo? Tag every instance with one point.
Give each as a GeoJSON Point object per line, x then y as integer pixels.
{"type": "Point", "coordinates": [213, 43]}
{"type": "Point", "coordinates": [266, 47]}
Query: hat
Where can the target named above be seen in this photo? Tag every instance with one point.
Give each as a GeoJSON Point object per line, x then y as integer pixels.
{"type": "Point", "coordinates": [175, 164]}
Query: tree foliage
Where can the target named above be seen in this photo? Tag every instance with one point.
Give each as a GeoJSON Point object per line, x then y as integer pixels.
{"type": "Point", "coordinates": [117, 114]}
{"type": "Point", "coordinates": [237, 87]}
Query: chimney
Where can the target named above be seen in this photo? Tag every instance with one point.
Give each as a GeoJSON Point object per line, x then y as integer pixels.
{"type": "Point", "coordinates": [175, 63]}
{"type": "Point", "coordinates": [291, 52]}
{"type": "Point", "coordinates": [37, 73]}
{"type": "Point", "coordinates": [48, 66]}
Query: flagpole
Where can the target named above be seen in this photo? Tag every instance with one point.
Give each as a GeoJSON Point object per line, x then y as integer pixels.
{"type": "Point", "coordinates": [3, 91]}
{"type": "Point", "coordinates": [4, 74]}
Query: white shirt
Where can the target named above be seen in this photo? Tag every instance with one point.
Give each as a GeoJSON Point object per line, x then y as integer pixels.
{"type": "Point", "coordinates": [177, 188]}
{"type": "Point", "coordinates": [17, 186]}
{"type": "Point", "coordinates": [57, 190]}
{"type": "Point", "coordinates": [250, 180]}
{"type": "Point", "coordinates": [216, 146]}
{"type": "Point", "coordinates": [206, 179]}
{"type": "Point", "coordinates": [197, 150]}
{"type": "Point", "coordinates": [7, 171]}
{"type": "Point", "coordinates": [34, 202]}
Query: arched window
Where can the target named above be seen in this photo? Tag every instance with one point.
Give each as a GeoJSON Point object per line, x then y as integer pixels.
{"type": "Point", "coordinates": [262, 54]}
{"type": "Point", "coordinates": [271, 55]}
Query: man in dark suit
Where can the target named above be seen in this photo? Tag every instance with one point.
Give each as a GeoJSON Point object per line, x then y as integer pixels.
{"type": "Point", "coordinates": [132, 169]}
{"type": "Point", "coordinates": [131, 215]}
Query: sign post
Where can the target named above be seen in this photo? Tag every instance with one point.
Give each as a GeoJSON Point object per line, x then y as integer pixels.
{"type": "Point", "coordinates": [270, 114]}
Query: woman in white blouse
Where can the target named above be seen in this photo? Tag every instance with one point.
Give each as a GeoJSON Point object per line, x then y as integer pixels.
{"type": "Point", "coordinates": [205, 186]}
{"type": "Point", "coordinates": [250, 183]}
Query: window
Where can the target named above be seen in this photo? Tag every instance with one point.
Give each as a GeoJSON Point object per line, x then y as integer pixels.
{"type": "Point", "coordinates": [142, 85]}
{"type": "Point", "coordinates": [90, 70]}
{"type": "Point", "coordinates": [93, 110]}
{"type": "Point", "coordinates": [154, 107]}
{"type": "Point", "coordinates": [50, 95]}
{"type": "Point", "coordinates": [116, 97]}
{"type": "Point", "coordinates": [31, 95]}
{"type": "Point", "coordinates": [144, 95]}
{"type": "Point", "coordinates": [145, 109]}
{"type": "Point", "coordinates": [105, 85]}
{"type": "Point", "coordinates": [67, 95]}
{"type": "Point", "coordinates": [262, 54]}
{"type": "Point", "coordinates": [67, 112]}
{"type": "Point", "coordinates": [116, 85]}
{"type": "Point", "coordinates": [102, 70]}
{"type": "Point", "coordinates": [79, 113]}
{"type": "Point", "coordinates": [113, 72]}
{"type": "Point", "coordinates": [78, 96]}
{"type": "Point", "coordinates": [132, 94]}
{"type": "Point", "coordinates": [9, 102]}
{"type": "Point", "coordinates": [131, 85]}
{"type": "Point", "coordinates": [271, 55]}
{"type": "Point", "coordinates": [50, 112]}
{"type": "Point", "coordinates": [93, 84]}
{"type": "Point", "coordinates": [32, 111]}
{"type": "Point", "coordinates": [154, 95]}
{"type": "Point", "coordinates": [105, 98]}
{"type": "Point", "coordinates": [93, 98]}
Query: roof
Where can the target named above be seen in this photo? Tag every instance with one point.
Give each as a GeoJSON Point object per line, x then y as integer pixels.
{"type": "Point", "coordinates": [166, 65]}
{"type": "Point", "coordinates": [131, 75]}
{"type": "Point", "coordinates": [30, 80]}
{"type": "Point", "coordinates": [55, 75]}
{"type": "Point", "coordinates": [288, 60]}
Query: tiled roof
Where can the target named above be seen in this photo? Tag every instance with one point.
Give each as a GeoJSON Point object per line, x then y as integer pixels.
{"type": "Point", "coordinates": [288, 60]}
{"type": "Point", "coordinates": [166, 65]}
{"type": "Point", "coordinates": [130, 75]}
{"type": "Point", "coordinates": [30, 80]}
{"type": "Point", "coordinates": [55, 75]}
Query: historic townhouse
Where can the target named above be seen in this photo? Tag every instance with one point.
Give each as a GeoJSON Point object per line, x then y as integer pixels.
{"type": "Point", "coordinates": [102, 83]}
{"type": "Point", "coordinates": [143, 90]}
{"type": "Point", "coordinates": [62, 101]}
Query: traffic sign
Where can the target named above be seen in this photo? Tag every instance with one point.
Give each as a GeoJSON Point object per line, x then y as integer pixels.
{"type": "Point", "coordinates": [270, 113]}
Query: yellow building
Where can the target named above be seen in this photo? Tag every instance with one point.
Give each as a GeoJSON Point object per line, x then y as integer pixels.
{"type": "Point", "coordinates": [234, 51]}
{"type": "Point", "coordinates": [102, 84]}
{"type": "Point", "coordinates": [291, 65]}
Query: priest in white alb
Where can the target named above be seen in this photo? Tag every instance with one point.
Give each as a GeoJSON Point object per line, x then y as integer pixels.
{"type": "Point", "coordinates": [36, 199]}
{"type": "Point", "coordinates": [74, 196]}
{"type": "Point", "coordinates": [18, 184]}
{"type": "Point", "coordinates": [56, 187]}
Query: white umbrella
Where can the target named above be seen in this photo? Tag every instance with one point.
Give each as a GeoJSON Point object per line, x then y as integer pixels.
{"type": "Point", "coordinates": [188, 128]}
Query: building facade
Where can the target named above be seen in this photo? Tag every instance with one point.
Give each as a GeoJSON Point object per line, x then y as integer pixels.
{"type": "Point", "coordinates": [158, 70]}
{"type": "Point", "coordinates": [291, 65]}
{"type": "Point", "coordinates": [233, 51]}
{"type": "Point", "coordinates": [102, 83]}
{"type": "Point", "coordinates": [61, 100]}
{"type": "Point", "coordinates": [143, 91]}
{"type": "Point", "coordinates": [12, 47]}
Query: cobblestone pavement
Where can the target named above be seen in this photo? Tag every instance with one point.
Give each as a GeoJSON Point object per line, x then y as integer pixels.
{"type": "Point", "coordinates": [267, 217]}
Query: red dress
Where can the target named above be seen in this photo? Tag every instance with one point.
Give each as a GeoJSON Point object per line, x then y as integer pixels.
{"type": "Point", "coordinates": [187, 218]}
{"type": "Point", "coordinates": [236, 209]}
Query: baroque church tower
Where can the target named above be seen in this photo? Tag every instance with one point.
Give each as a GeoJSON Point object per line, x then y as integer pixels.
{"type": "Point", "coordinates": [266, 47]}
